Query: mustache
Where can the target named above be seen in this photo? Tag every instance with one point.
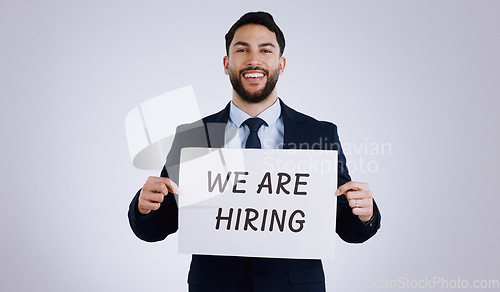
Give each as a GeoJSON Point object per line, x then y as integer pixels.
{"type": "Point", "coordinates": [254, 68]}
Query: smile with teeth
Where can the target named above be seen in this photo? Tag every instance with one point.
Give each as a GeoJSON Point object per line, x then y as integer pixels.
{"type": "Point", "coordinates": [253, 75]}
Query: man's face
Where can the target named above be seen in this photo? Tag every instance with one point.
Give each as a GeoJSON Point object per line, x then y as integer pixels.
{"type": "Point", "coordinates": [254, 64]}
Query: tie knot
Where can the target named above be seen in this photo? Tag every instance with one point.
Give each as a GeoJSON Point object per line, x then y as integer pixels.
{"type": "Point", "coordinates": [254, 124]}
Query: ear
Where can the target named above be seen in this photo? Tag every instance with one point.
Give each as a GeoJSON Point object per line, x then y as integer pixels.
{"type": "Point", "coordinates": [282, 65]}
{"type": "Point", "coordinates": [225, 62]}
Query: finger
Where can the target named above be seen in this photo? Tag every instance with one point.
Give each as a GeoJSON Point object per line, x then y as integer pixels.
{"type": "Point", "coordinates": [360, 203]}
{"type": "Point", "coordinates": [146, 205]}
{"type": "Point", "coordinates": [155, 187]}
{"type": "Point", "coordinates": [171, 186]}
{"type": "Point", "coordinates": [351, 186]}
{"type": "Point", "coordinates": [363, 211]}
{"type": "Point", "coordinates": [152, 197]}
{"type": "Point", "coordinates": [358, 195]}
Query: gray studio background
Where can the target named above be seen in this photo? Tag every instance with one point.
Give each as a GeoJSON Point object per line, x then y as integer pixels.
{"type": "Point", "coordinates": [419, 76]}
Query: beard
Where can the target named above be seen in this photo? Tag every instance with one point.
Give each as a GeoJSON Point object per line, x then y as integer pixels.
{"type": "Point", "coordinates": [257, 96]}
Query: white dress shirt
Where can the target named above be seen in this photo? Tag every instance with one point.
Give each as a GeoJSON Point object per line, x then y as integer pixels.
{"type": "Point", "coordinates": [270, 135]}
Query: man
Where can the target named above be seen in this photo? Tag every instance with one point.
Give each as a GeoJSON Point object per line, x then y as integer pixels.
{"type": "Point", "coordinates": [254, 61]}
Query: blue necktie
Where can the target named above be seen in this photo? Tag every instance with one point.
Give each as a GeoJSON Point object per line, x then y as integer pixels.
{"type": "Point", "coordinates": [253, 140]}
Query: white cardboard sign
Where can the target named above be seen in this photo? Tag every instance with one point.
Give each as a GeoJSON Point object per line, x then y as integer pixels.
{"type": "Point", "coordinates": [261, 203]}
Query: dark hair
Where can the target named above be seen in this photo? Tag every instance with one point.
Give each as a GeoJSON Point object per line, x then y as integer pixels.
{"type": "Point", "coordinates": [262, 18]}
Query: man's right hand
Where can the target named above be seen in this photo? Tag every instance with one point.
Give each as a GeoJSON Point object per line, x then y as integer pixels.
{"type": "Point", "coordinates": [153, 192]}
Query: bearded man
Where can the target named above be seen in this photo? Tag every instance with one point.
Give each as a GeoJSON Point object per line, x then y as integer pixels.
{"type": "Point", "coordinates": [257, 118]}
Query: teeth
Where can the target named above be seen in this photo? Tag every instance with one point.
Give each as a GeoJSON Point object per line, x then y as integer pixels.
{"type": "Point", "coordinates": [254, 75]}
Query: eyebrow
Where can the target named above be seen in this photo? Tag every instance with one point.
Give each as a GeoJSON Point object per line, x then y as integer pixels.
{"type": "Point", "coordinates": [248, 45]}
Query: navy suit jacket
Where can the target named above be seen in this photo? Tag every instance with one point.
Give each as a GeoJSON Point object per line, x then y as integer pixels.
{"type": "Point", "coordinates": [231, 273]}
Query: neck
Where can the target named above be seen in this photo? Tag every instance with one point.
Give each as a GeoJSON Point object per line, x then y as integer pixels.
{"type": "Point", "coordinates": [254, 109]}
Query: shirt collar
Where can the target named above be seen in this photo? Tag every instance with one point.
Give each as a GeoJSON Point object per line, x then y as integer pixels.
{"type": "Point", "coordinates": [270, 115]}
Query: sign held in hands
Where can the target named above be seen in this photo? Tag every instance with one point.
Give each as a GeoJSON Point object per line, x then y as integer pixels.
{"type": "Point", "coordinates": [261, 203]}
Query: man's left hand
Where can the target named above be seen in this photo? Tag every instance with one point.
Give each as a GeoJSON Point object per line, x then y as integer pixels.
{"type": "Point", "coordinates": [359, 197]}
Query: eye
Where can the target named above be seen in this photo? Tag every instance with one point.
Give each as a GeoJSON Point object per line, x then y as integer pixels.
{"type": "Point", "coordinates": [241, 50]}
{"type": "Point", "coordinates": [266, 51]}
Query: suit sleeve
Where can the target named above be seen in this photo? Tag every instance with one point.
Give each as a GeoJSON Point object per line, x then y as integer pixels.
{"type": "Point", "coordinates": [348, 225]}
{"type": "Point", "coordinates": [157, 225]}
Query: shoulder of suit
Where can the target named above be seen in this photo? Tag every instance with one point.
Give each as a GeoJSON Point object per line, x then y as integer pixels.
{"type": "Point", "coordinates": [308, 119]}
{"type": "Point", "coordinates": [219, 117]}
{"type": "Point", "coordinates": [215, 118]}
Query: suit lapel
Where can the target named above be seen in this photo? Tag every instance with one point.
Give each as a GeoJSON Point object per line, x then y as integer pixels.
{"type": "Point", "coordinates": [215, 126]}
{"type": "Point", "coordinates": [295, 127]}
{"type": "Point", "coordinates": [294, 124]}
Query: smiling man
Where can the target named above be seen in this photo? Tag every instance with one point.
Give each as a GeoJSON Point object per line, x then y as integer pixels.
{"type": "Point", "coordinates": [255, 118]}
{"type": "Point", "coordinates": [254, 67]}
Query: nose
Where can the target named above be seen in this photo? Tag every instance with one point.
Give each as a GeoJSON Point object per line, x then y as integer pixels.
{"type": "Point", "coordinates": [254, 59]}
